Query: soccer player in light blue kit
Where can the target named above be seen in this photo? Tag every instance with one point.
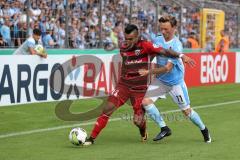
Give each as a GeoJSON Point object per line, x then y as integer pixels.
{"type": "Point", "coordinates": [170, 79]}
{"type": "Point", "coordinates": [27, 48]}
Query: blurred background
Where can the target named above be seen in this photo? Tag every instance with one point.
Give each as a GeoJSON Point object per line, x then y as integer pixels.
{"type": "Point", "coordinates": [87, 24]}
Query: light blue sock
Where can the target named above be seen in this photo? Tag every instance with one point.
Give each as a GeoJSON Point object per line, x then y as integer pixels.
{"type": "Point", "coordinates": [195, 118]}
{"type": "Point", "coordinates": [154, 114]}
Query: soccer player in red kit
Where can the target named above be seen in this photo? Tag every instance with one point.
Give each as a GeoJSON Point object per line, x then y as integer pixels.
{"type": "Point", "coordinates": [136, 54]}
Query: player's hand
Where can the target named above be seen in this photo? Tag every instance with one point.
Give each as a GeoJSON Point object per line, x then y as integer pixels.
{"type": "Point", "coordinates": [43, 55]}
{"type": "Point", "coordinates": [143, 72]}
{"type": "Point", "coordinates": [189, 61]}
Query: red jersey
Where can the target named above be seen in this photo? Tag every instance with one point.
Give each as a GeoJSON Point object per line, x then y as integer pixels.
{"type": "Point", "coordinates": [138, 57]}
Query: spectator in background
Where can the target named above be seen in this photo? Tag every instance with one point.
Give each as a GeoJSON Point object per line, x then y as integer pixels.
{"type": "Point", "coordinates": [52, 24]}
{"type": "Point", "coordinates": [92, 19]}
{"type": "Point", "coordinates": [192, 41]}
{"type": "Point", "coordinates": [20, 34]}
{"type": "Point", "coordinates": [2, 43]}
{"type": "Point", "coordinates": [107, 42]}
{"type": "Point", "coordinates": [145, 34]}
{"type": "Point", "coordinates": [61, 35]}
{"type": "Point", "coordinates": [15, 29]}
{"type": "Point", "coordinates": [209, 45]}
{"type": "Point", "coordinates": [92, 37]}
{"type": "Point", "coordinates": [16, 7]}
{"type": "Point", "coordinates": [117, 34]}
{"type": "Point", "coordinates": [223, 44]}
{"type": "Point", "coordinates": [81, 40]}
{"type": "Point", "coordinates": [56, 27]}
{"type": "Point", "coordinates": [1, 17]}
{"type": "Point", "coordinates": [48, 14]}
{"type": "Point", "coordinates": [35, 12]}
{"type": "Point", "coordinates": [107, 27]}
{"type": "Point", "coordinates": [31, 27]}
{"type": "Point", "coordinates": [113, 37]}
{"type": "Point", "coordinates": [48, 40]}
{"type": "Point", "coordinates": [6, 10]}
{"type": "Point", "coordinates": [5, 32]}
{"type": "Point", "coordinates": [43, 27]}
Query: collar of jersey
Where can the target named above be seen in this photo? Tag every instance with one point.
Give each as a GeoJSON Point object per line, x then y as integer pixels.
{"type": "Point", "coordinates": [168, 41]}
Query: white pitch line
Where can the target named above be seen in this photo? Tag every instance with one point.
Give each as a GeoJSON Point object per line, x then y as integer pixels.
{"type": "Point", "coordinates": [111, 120]}
{"type": "Point", "coordinates": [51, 129]}
{"type": "Point", "coordinates": [207, 106]}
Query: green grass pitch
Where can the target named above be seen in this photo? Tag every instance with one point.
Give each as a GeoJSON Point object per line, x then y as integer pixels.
{"type": "Point", "coordinates": [21, 136]}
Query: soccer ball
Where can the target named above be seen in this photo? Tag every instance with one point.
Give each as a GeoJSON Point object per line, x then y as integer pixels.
{"type": "Point", "coordinates": [39, 48]}
{"type": "Point", "coordinates": [77, 136]}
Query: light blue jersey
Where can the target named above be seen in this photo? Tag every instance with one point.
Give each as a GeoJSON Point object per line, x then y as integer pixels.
{"type": "Point", "coordinates": [176, 75]}
{"type": "Point", "coordinates": [46, 40]}
{"type": "Point", "coordinates": [24, 48]}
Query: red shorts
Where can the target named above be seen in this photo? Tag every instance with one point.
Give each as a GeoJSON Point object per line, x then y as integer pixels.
{"type": "Point", "coordinates": [122, 93]}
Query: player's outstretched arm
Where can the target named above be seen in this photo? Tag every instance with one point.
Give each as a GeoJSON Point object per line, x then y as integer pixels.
{"type": "Point", "coordinates": [145, 72]}
{"type": "Point", "coordinates": [171, 53]}
{"type": "Point", "coordinates": [160, 70]}
{"type": "Point", "coordinates": [188, 60]}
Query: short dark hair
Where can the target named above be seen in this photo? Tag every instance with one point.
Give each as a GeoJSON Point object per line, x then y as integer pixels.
{"type": "Point", "coordinates": [168, 18]}
{"type": "Point", "coordinates": [130, 28]}
{"type": "Point", "coordinates": [37, 31]}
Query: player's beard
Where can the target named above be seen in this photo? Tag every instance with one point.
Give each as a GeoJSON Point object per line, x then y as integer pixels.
{"type": "Point", "coordinates": [126, 46]}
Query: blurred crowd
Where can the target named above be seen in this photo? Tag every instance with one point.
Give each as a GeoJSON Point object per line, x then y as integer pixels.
{"type": "Point", "coordinates": [83, 19]}
{"type": "Point", "coordinates": [230, 1]}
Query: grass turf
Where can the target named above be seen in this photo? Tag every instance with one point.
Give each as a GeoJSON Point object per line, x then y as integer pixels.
{"type": "Point", "coordinates": [120, 139]}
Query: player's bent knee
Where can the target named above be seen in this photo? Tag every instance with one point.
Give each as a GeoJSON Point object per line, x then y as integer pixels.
{"type": "Point", "coordinates": [146, 101]}
{"type": "Point", "coordinates": [109, 109]}
{"type": "Point", "coordinates": [187, 112]}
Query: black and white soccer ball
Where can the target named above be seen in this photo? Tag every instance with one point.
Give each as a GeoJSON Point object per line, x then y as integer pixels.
{"type": "Point", "coordinates": [77, 136]}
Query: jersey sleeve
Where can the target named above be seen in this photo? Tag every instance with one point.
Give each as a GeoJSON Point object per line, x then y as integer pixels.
{"type": "Point", "coordinates": [152, 48]}
{"type": "Point", "coordinates": [30, 43]}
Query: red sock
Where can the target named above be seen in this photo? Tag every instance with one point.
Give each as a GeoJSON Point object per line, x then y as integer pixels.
{"type": "Point", "coordinates": [142, 128]}
{"type": "Point", "coordinates": [99, 125]}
